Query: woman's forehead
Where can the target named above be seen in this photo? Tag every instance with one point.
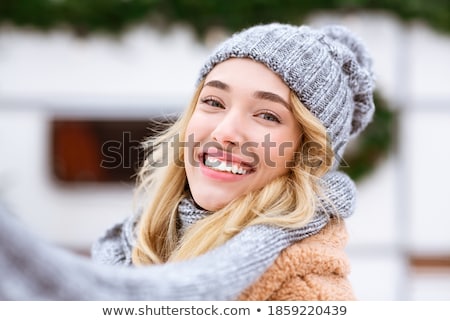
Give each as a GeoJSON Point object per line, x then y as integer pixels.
{"type": "Point", "coordinates": [246, 73]}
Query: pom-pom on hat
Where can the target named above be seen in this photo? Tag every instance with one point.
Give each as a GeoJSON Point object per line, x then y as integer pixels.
{"type": "Point", "coordinates": [329, 70]}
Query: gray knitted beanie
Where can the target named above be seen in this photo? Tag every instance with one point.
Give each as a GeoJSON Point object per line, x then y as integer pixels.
{"type": "Point", "coordinates": [329, 69]}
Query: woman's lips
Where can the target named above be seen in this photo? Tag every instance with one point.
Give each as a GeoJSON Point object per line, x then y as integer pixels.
{"type": "Point", "coordinates": [224, 165]}
{"type": "Point", "coordinates": [225, 161]}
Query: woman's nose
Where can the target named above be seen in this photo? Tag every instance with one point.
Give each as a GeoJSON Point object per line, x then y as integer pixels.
{"type": "Point", "coordinates": [230, 129]}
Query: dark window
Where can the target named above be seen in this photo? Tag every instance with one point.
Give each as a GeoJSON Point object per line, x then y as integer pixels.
{"type": "Point", "coordinates": [104, 150]}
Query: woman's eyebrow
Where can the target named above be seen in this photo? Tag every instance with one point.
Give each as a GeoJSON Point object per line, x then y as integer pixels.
{"type": "Point", "coordinates": [266, 95]}
{"type": "Point", "coordinates": [217, 84]}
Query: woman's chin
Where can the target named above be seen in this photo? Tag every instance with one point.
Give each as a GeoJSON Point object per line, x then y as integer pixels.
{"type": "Point", "coordinates": [209, 202]}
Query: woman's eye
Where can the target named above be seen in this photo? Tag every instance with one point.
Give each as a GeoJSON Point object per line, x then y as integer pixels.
{"type": "Point", "coordinates": [269, 116]}
{"type": "Point", "coordinates": [212, 102]}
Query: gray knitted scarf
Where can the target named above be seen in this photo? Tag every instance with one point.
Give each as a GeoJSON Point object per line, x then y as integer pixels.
{"type": "Point", "coordinates": [32, 269]}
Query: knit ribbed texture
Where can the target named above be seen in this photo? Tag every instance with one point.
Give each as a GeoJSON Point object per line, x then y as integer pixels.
{"type": "Point", "coordinates": [329, 70]}
{"type": "Point", "coordinates": [32, 269]}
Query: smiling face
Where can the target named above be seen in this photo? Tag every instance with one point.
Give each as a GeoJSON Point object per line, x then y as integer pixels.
{"type": "Point", "coordinates": [244, 132]}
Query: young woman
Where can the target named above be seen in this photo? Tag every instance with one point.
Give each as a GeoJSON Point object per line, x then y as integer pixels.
{"type": "Point", "coordinates": [241, 197]}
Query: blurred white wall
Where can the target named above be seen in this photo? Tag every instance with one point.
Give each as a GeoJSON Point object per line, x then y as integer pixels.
{"type": "Point", "coordinates": [402, 206]}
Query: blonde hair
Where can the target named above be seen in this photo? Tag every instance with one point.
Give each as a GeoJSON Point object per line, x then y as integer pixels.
{"type": "Point", "coordinates": [287, 201]}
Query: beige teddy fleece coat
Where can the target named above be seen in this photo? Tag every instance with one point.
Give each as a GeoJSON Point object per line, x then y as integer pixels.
{"type": "Point", "coordinates": [313, 269]}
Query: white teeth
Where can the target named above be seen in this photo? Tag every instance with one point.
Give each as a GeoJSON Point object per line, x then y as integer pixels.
{"type": "Point", "coordinates": [222, 166]}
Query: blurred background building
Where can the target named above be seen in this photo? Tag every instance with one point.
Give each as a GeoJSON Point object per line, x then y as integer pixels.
{"type": "Point", "coordinates": [81, 83]}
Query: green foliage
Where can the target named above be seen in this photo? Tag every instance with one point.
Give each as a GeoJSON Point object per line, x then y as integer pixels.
{"type": "Point", "coordinates": [86, 16]}
{"type": "Point", "coordinates": [373, 144]}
